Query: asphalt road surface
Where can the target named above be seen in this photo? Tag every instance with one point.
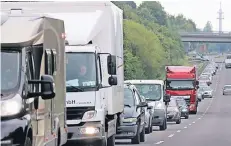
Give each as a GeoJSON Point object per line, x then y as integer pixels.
{"type": "Point", "coordinates": [211, 126]}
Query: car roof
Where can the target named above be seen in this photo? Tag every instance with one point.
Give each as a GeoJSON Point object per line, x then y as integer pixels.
{"type": "Point", "coordinates": [161, 82]}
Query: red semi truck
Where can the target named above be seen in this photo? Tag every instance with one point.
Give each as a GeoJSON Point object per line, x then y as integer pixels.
{"type": "Point", "coordinates": [181, 81]}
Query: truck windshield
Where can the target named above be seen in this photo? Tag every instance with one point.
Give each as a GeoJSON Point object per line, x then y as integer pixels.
{"type": "Point", "coordinates": [80, 71]}
{"type": "Point", "coordinates": [180, 85]}
{"type": "Point", "coordinates": [10, 70]}
{"type": "Point", "coordinates": [150, 91]}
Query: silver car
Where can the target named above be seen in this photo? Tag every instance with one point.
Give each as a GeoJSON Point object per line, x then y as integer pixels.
{"type": "Point", "coordinates": [227, 90]}
{"type": "Point", "coordinates": [208, 92]}
{"type": "Point", "coordinates": [148, 117]}
{"type": "Point", "coordinates": [173, 112]}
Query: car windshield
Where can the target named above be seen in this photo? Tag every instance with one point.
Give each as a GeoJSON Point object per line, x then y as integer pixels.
{"type": "Point", "coordinates": [10, 69]}
{"type": "Point", "coordinates": [207, 88]}
{"type": "Point", "coordinates": [180, 85]}
{"type": "Point", "coordinates": [128, 97]}
{"type": "Point", "coordinates": [172, 103]}
{"type": "Point", "coordinates": [150, 91]}
{"type": "Point", "coordinates": [227, 87]}
{"type": "Point", "coordinates": [181, 102]}
{"type": "Point", "coordinates": [80, 71]}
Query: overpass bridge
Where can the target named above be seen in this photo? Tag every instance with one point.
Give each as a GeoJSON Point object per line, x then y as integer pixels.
{"type": "Point", "coordinates": [208, 37]}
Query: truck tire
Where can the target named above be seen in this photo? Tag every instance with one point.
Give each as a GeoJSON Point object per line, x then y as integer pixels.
{"type": "Point", "coordinates": [111, 141]}
{"type": "Point", "coordinates": [164, 125]}
{"type": "Point", "coordinates": [28, 142]}
{"type": "Point", "coordinates": [142, 135]}
{"type": "Point", "coordinates": [136, 139]}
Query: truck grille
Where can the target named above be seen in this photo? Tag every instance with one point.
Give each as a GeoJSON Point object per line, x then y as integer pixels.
{"type": "Point", "coordinates": [76, 113]}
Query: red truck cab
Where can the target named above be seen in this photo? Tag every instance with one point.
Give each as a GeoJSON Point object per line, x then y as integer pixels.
{"type": "Point", "coordinates": [181, 81]}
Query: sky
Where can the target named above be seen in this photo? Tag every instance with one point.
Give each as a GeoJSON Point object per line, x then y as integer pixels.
{"type": "Point", "coordinates": [200, 11]}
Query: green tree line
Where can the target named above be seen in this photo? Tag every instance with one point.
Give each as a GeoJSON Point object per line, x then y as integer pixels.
{"type": "Point", "coordinates": [151, 39]}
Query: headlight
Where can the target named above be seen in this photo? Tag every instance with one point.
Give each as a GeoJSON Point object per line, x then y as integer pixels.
{"type": "Point", "coordinates": [10, 107]}
{"type": "Point", "coordinates": [130, 120]}
{"type": "Point", "coordinates": [89, 130]}
{"type": "Point", "coordinates": [158, 106]}
{"type": "Point", "coordinates": [89, 115]}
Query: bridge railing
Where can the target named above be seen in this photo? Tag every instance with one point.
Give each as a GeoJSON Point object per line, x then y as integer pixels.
{"type": "Point", "coordinates": [206, 33]}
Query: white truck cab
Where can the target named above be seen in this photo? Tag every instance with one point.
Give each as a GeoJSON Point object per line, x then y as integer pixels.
{"type": "Point", "coordinates": [94, 70]}
{"type": "Point", "coordinates": [154, 92]}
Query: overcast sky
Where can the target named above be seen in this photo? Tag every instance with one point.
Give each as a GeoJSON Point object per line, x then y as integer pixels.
{"type": "Point", "coordinates": [200, 11]}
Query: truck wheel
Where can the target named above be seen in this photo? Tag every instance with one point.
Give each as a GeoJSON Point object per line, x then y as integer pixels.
{"type": "Point", "coordinates": [178, 121]}
{"type": "Point", "coordinates": [142, 135]}
{"type": "Point", "coordinates": [27, 142]}
{"type": "Point", "coordinates": [136, 139]}
{"type": "Point", "coordinates": [111, 141]}
{"type": "Point", "coordinates": [164, 125]}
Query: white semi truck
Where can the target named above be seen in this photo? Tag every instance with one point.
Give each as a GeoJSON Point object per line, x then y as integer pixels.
{"type": "Point", "coordinates": [94, 81]}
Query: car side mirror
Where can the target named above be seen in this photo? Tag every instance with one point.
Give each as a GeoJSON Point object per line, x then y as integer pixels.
{"type": "Point", "coordinates": [197, 82]}
{"type": "Point", "coordinates": [46, 85]}
{"type": "Point", "coordinates": [112, 80]}
{"type": "Point", "coordinates": [111, 64]}
{"type": "Point", "coordinates": [197, 87]}
{"type": "Point", "coordinates": [167, 98]}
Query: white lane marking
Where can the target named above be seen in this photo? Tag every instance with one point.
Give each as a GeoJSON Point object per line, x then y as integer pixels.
{"type": "Point", "coordinates": [194, 122]}
{"type": "Point", "coordinates": [189, 124]}
{"type": "Point", "coordinates": [178, 131]}
{"type": "Point", "coordinates": [199, 118]}
{"type": "Point", "coordinates": [185, 127]}
{"type": "Point", "coordinates": [171, 135]}
{"type": "Point", "coordinates": [160, 142]}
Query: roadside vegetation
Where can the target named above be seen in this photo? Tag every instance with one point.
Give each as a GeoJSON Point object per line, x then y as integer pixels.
{"type": "Point", "coordinates": [151, 39]}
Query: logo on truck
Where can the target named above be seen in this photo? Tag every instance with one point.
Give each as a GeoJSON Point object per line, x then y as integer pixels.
{"type": "Point", "coordinates": [74, 102]}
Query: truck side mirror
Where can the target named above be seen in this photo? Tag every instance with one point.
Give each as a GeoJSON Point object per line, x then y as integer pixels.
{"type": "Point", "coordinates": [167, 98]}
{"type": "Point", "coordinates": [46, 85]}
{"type": "Point", "coordinates": [111, 64]}
{"type": "Point", "coordinates": [112, 80]}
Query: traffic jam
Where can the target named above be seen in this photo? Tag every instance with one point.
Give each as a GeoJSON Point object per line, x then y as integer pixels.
{"type": "Point", "coordinates": [149, 103]}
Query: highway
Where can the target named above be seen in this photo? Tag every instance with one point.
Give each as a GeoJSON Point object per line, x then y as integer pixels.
{"type": "Point", "coordinates": [210, 126]}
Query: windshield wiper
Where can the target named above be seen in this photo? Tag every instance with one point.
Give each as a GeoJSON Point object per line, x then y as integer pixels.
{"type": "Point", "coordinates": [74, 87]}
{"type": "Point", "coordinates": [127, 105]}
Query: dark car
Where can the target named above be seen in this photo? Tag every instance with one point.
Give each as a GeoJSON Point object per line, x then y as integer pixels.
{"type": "Point", "coordinates": [173, 112]}
{"type": "Point", "coordinates": [183, 107]}
{"type": "Point", "coordinates": [227, 90]}
{"type": "Point", "coordinates": [133, 126]}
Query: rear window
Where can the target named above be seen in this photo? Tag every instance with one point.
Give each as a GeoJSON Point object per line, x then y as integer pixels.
{"type": "Point", "coordinates": [227, 87]}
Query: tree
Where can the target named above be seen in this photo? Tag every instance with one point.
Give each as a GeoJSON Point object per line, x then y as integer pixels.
{"type": "Point", "coordinates": [151, 39]}
{"type": "Point", "coordinates": [208, 27]}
